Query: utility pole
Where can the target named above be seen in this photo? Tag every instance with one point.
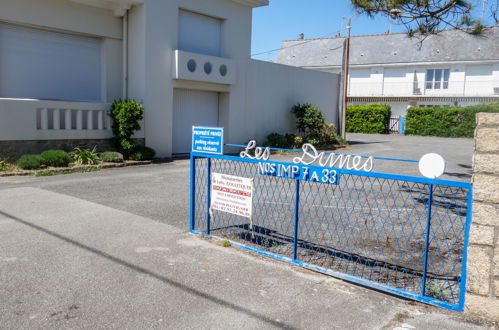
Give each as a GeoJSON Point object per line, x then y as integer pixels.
{"type": "Point", "coordinates": [344, 82]}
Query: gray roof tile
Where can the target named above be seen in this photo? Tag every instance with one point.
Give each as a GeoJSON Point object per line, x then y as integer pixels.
{"type": "Point", "coordinates": [447, 46]}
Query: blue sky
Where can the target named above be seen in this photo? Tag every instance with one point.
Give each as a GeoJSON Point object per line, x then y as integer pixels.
{"type": "Point", "coordinates": [286, 19]}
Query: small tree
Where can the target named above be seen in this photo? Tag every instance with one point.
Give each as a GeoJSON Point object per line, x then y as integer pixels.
{"type": "Point", "coordinates": [126, 116]}
{"type": "Point", "coordinates": [428, 16]}
{"type": "Point", "coordinates": [309, 119]}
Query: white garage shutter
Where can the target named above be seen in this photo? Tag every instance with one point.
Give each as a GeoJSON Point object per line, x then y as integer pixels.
{"type": "Point", "coordinates": [48, 65]}
{"type": "Point", "coordinates": [199, 33]}
{"type": "Point", "coordinates": [191, 108]}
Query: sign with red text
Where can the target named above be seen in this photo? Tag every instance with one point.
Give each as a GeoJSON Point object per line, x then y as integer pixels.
{"type": "Point", "coordinates": [231, 194]}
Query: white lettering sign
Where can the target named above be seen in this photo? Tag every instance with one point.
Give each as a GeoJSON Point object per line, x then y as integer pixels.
{"type": "Point", "coordinates": [350, 162]}
{"type": "Point", "coordinates": [261, 154]}
{"type": "Point", "coordinates": [311, 155]}
{"type": "Point", "coordinates": [232, 194]}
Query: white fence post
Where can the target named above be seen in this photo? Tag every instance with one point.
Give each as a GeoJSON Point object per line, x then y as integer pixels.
{"type": "Point", "coordinates": [44, 119]}
{"type": "Point", "coordinates": [67, 119]}
{"type": "Point", "coordinates": [79, 119]}
{"type": "Point", "coordinates": [56, 119]}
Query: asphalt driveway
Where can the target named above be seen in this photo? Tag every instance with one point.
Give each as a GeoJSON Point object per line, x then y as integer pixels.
{"type": "Point", "coordinates": [110, 249]}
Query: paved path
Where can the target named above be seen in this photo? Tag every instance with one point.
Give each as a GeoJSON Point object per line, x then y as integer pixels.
{"type": "Point", "coordinates": [109, 249]}
{"type": "Point", "coordinates": [69, 263]}
{"type": "Point", "coordinates": [456, 152]}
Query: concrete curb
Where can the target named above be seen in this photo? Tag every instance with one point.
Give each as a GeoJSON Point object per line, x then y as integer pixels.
{"type": "Point", "coordinates": [78, 168]}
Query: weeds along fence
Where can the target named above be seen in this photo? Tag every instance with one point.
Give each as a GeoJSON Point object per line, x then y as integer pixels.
{"type": "Point", "coordinates": [401, 234]}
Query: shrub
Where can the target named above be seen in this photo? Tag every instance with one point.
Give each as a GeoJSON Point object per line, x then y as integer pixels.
{"type": "Point", "coordinates": [5, 166]}
{"type": "Point", "coordinates": [85, 156]}
{"type": "Point", "coordinates": [142, 153]}
{"type": "Point", "coordinates": [311, 124]}
{"type": "Point", "coordinates": [126, 116]}
{"type": "Point", "coordinates": [30, 162]}
{"type": "Point", "coordinates": [287, 141]}
{"type": "Point", "coordinates": [446, 121]}
{"type": "Point", "coordinates": [327, 137]}
{"type": "Point", "coordinates": [371, 119]}
{"type": "Point", "coordinates": [309, 120]}
{"type": "Point", "coordinates": [111, 157]}
{"type": "Point", "coordinates": [56, 158]}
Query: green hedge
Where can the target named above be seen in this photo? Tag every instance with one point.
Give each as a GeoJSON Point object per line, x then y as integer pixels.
{"type": "Point", "coordinates": [371, 118]}
{"type": "Point", "coordinates": [445, 121]}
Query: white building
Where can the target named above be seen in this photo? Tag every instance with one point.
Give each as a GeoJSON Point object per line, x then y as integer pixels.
{"type": "Point", "coordinates": [451, 68]}
{"type": "Point", "coordinates": [62, 62]}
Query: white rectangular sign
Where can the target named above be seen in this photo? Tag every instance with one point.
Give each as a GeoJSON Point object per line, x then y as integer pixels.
{"type": "Point", "coordinates": [232, 194]}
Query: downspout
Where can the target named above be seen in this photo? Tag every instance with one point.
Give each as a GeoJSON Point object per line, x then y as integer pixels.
{"type": "Point", "coordinates": [125, 55]}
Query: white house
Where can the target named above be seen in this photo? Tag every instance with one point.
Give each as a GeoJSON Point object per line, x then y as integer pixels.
{"type": "Point", "coordinates": [62, 62]}
{"type": "Point", "coordinates": [451, 68]}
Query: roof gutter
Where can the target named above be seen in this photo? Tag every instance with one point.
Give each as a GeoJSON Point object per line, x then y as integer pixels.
{"type": "Point", "coordinates": [400, 64]}
{"type": "Point", "coordinates": [253, 3]}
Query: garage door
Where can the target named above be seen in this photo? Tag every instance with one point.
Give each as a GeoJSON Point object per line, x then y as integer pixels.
{"type": "Point", "coordinates": [41, 64]}
{"type": "Point", "coordinates": [191, 108]}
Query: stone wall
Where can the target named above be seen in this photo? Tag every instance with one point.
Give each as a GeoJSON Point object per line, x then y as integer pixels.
{"type": "Point", "coordinates": [483, 252]}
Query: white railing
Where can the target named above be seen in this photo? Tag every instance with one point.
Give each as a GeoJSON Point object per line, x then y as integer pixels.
{"type": "Point", "coordinates": [73, 119]}
{"type": "Point", "coordinates": [28, 119]}
{"type": "Point", "coordinates": [422, 88]}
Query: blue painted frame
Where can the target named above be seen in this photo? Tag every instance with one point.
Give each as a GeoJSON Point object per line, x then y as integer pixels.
{"type": "Point", "coordinates": [400, 292]}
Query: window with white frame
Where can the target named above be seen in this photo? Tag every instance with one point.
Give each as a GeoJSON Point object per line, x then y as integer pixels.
{"type": "Point", "coordinates": [437, 78]}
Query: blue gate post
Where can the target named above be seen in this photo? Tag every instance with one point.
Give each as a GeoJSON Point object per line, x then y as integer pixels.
{"type": "Point", "coordinates": [427, 239]}
{"type": "Point", "coordinates": [193, 191]}
{"type": "Point", "coordinates": [297, 210]}
{"type": "Point", "coordinates": [208, 194]}
{"type": "Point", "coordinates": [402, 125]}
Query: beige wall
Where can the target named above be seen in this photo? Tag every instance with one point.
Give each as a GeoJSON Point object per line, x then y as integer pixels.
{"type": "Point", "coordinates": [483, 252]}
{"type": "Point", "coordinates": [159, 21]}
{"type": "Point", "coordinates": [271, 90]}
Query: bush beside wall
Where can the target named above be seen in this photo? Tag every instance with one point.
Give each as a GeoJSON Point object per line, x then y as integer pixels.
{"type": "Point", "coordinates": [371, 118]}
{"type": "Point", "coordinates": [445, 121]}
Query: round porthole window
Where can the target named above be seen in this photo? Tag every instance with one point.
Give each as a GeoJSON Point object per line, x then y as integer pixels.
{"type": "Point", "coordinates": [223, 70]}
{"type": "Point", "coordinates": [207, 67]}
{"type": "Point", "coordinates": [191, 65]}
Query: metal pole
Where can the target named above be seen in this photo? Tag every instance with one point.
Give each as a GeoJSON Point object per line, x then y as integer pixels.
{"type": "Point", "coordinates": [208, 195]}
{"type": "Point", "coordinates": [193, 191]}
{"type": "Point", "coordinates": [297, 210]}
{"type": "Point", "coordinates": [344, 75]}
{"type": "Point", "coordinates": [427, 239]}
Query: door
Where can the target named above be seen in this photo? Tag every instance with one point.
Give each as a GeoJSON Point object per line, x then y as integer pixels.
{"type": "Point", "coordinates": [191, 108]}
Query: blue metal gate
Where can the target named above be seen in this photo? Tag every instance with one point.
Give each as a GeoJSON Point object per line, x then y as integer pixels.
{"type": "Point", "coordinates": [400, 234]}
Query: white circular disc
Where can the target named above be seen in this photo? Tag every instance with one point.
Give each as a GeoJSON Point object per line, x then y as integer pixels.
{"type": "Point", "coordinates": [432, 165]}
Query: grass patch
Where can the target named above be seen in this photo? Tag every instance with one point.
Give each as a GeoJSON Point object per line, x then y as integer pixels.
{"type": "Point", "coordinates": [400, 317]}
{"type": "Point", "coordinates": [51, 173]}
{"type": "Point", "coordinates": [435, 290]}
{"type": "Point", "coordinates": [226, 243]}
{"type": "Point", "coordinates": [5, 166]}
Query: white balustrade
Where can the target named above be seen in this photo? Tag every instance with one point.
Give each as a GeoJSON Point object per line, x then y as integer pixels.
{"type": "Point", "coordinates": [95, 119]}
{"type": "Point", "coordinates": [56, 119]}
{"type": "Point", "coordinates": [79, 119]}
{"type": "Point", "coordinates": [67, 119]}
{"type": "Point", "coordinates": [100, 119]}
{"type": "Point", "coordinates": [44, 119]}
{"type": "Point", "coordinates": [90, 120]}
